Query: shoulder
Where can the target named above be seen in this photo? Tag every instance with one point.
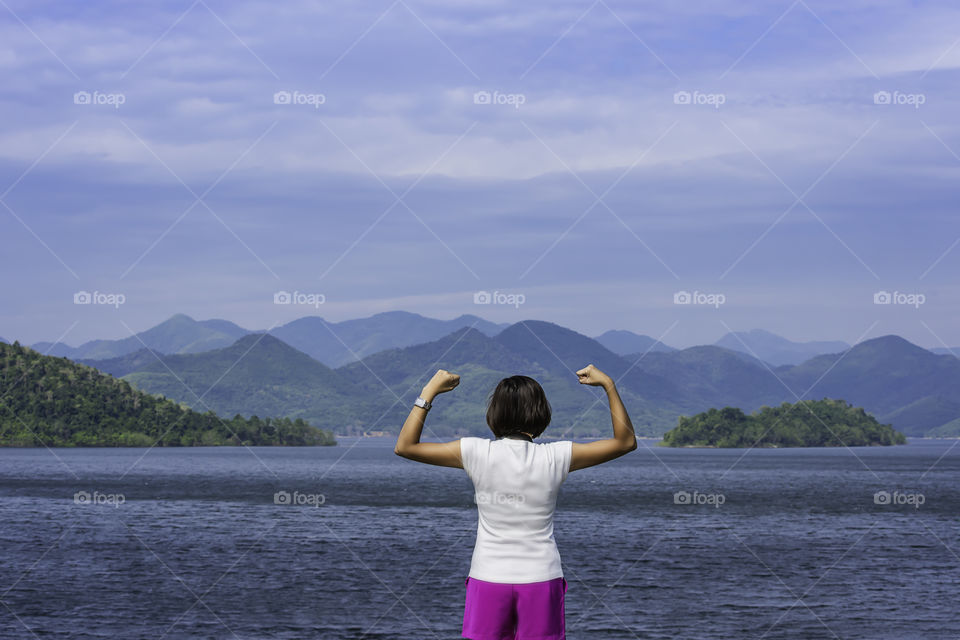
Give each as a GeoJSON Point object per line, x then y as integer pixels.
{"type": "Point", "coordinates": [562, 449]}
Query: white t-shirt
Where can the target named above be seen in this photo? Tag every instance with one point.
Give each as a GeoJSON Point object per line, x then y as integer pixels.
{"type": "Point", "coordinates": [516, 484]}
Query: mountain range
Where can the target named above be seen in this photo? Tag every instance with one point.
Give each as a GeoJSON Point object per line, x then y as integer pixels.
{"type": "Point", "coordinates": [339, 343]}
{"type": "Point", "coordinates": [914, 389]}
{"type": "Point", "coordinates": [332, 343]}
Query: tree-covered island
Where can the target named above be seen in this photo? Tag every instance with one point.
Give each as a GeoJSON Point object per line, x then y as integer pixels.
{"type": "Point", "coordinates": [808, 423]}
{"type": "Point", "coordinates": [53, 402]}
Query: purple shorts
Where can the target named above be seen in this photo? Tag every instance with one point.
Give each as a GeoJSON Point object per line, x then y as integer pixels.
{"type": "Point", "coordinates": [501, 611]}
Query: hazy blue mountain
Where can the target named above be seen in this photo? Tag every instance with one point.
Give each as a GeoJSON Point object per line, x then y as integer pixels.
{"type": "Point", "coordinates": [256, 375]}
{"type": "Point", "coordinates": [882, 375]}
{"type": "Point", "coordinates": [178, 334]}
{"type": "Point", "coordinates": [273, 378]}
{"type": "Point", "coordinates": [122, 365]}
{"type": "Point", "coordinates": [944, 351]}
{"type": "Point", "coordinates": [948, 430]}
{"type": "Point", "coordinates": [4, 340]}
{"type": "Point", "coordinates": [624, 342]}
{"type": "Point", "coordinates": [339, 343]}
{"type": "Point", "coordinates": [900, 383]}
{"type": "Point", "coordinates": [775, 349]}
{"type": "Point", "coordinates": [925, 414]}
{"type": "Point", "coordinates": [563, 351]}
{"type": "Point", "coordinates": [481, 362]}
{"type": "Point", "coordinates": [710, 376]}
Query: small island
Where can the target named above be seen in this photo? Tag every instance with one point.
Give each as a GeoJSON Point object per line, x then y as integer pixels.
{"type": "Point", "coordinates": [808, 423]}
{"type": "Point", "coordinates": [53, 402]}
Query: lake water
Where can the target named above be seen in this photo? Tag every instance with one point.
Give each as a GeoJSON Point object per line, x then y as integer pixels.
{"type": "Point", "coordinates": [189, 543]}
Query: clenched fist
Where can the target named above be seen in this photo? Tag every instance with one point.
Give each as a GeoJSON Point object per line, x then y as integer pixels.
{"type": "Point", "coordinates": [442, 381]}
{"type": "Point", "coordinates": [594, 377]}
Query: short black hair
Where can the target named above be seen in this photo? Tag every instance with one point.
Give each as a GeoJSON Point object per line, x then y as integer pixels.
{"type": "Point", "coordinates": [518, 404]}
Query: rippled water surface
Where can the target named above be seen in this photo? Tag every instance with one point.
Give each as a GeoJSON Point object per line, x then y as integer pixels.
{"type": "Point", "coordinates": [189, 543]}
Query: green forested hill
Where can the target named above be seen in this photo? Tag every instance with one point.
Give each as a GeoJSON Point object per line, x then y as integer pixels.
{"type": "Point", "coordinates": [256, 375]}
{"type": "Point", "coordinates": [811, 423]}
{"type": "Point", "coordinates": [49, 401]}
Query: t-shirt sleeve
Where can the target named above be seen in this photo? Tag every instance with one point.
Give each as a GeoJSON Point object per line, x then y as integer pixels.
{"type": "Point", "coordinates": [468, 455]}
{"type": "Point", "coordinates": [563, 452]}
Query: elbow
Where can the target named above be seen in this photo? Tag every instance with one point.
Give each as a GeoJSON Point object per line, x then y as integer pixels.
{"type": "Point", "coordinates": [400, 452]}
{"type": "Point", "coordinates": [631, 444]}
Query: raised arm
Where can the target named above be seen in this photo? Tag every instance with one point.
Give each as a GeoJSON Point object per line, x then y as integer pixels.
{"type": "Point", "coordinates": [623, 440]}
{"type": "Point", "coordinates": [444, 454]}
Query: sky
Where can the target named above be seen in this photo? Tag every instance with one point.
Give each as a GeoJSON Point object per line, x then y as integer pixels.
{"type": "Point", "coordinates": [788, 165]}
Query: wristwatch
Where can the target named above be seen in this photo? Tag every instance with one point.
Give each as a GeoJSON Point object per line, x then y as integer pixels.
{"type": "Point", "coordinates": [423, 404]}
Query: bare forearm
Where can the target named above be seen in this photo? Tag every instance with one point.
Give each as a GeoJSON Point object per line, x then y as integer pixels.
{"type": "Point", "coordinates": [622, 427]}
{"type": "Point", "coordinates": [413, 425]}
